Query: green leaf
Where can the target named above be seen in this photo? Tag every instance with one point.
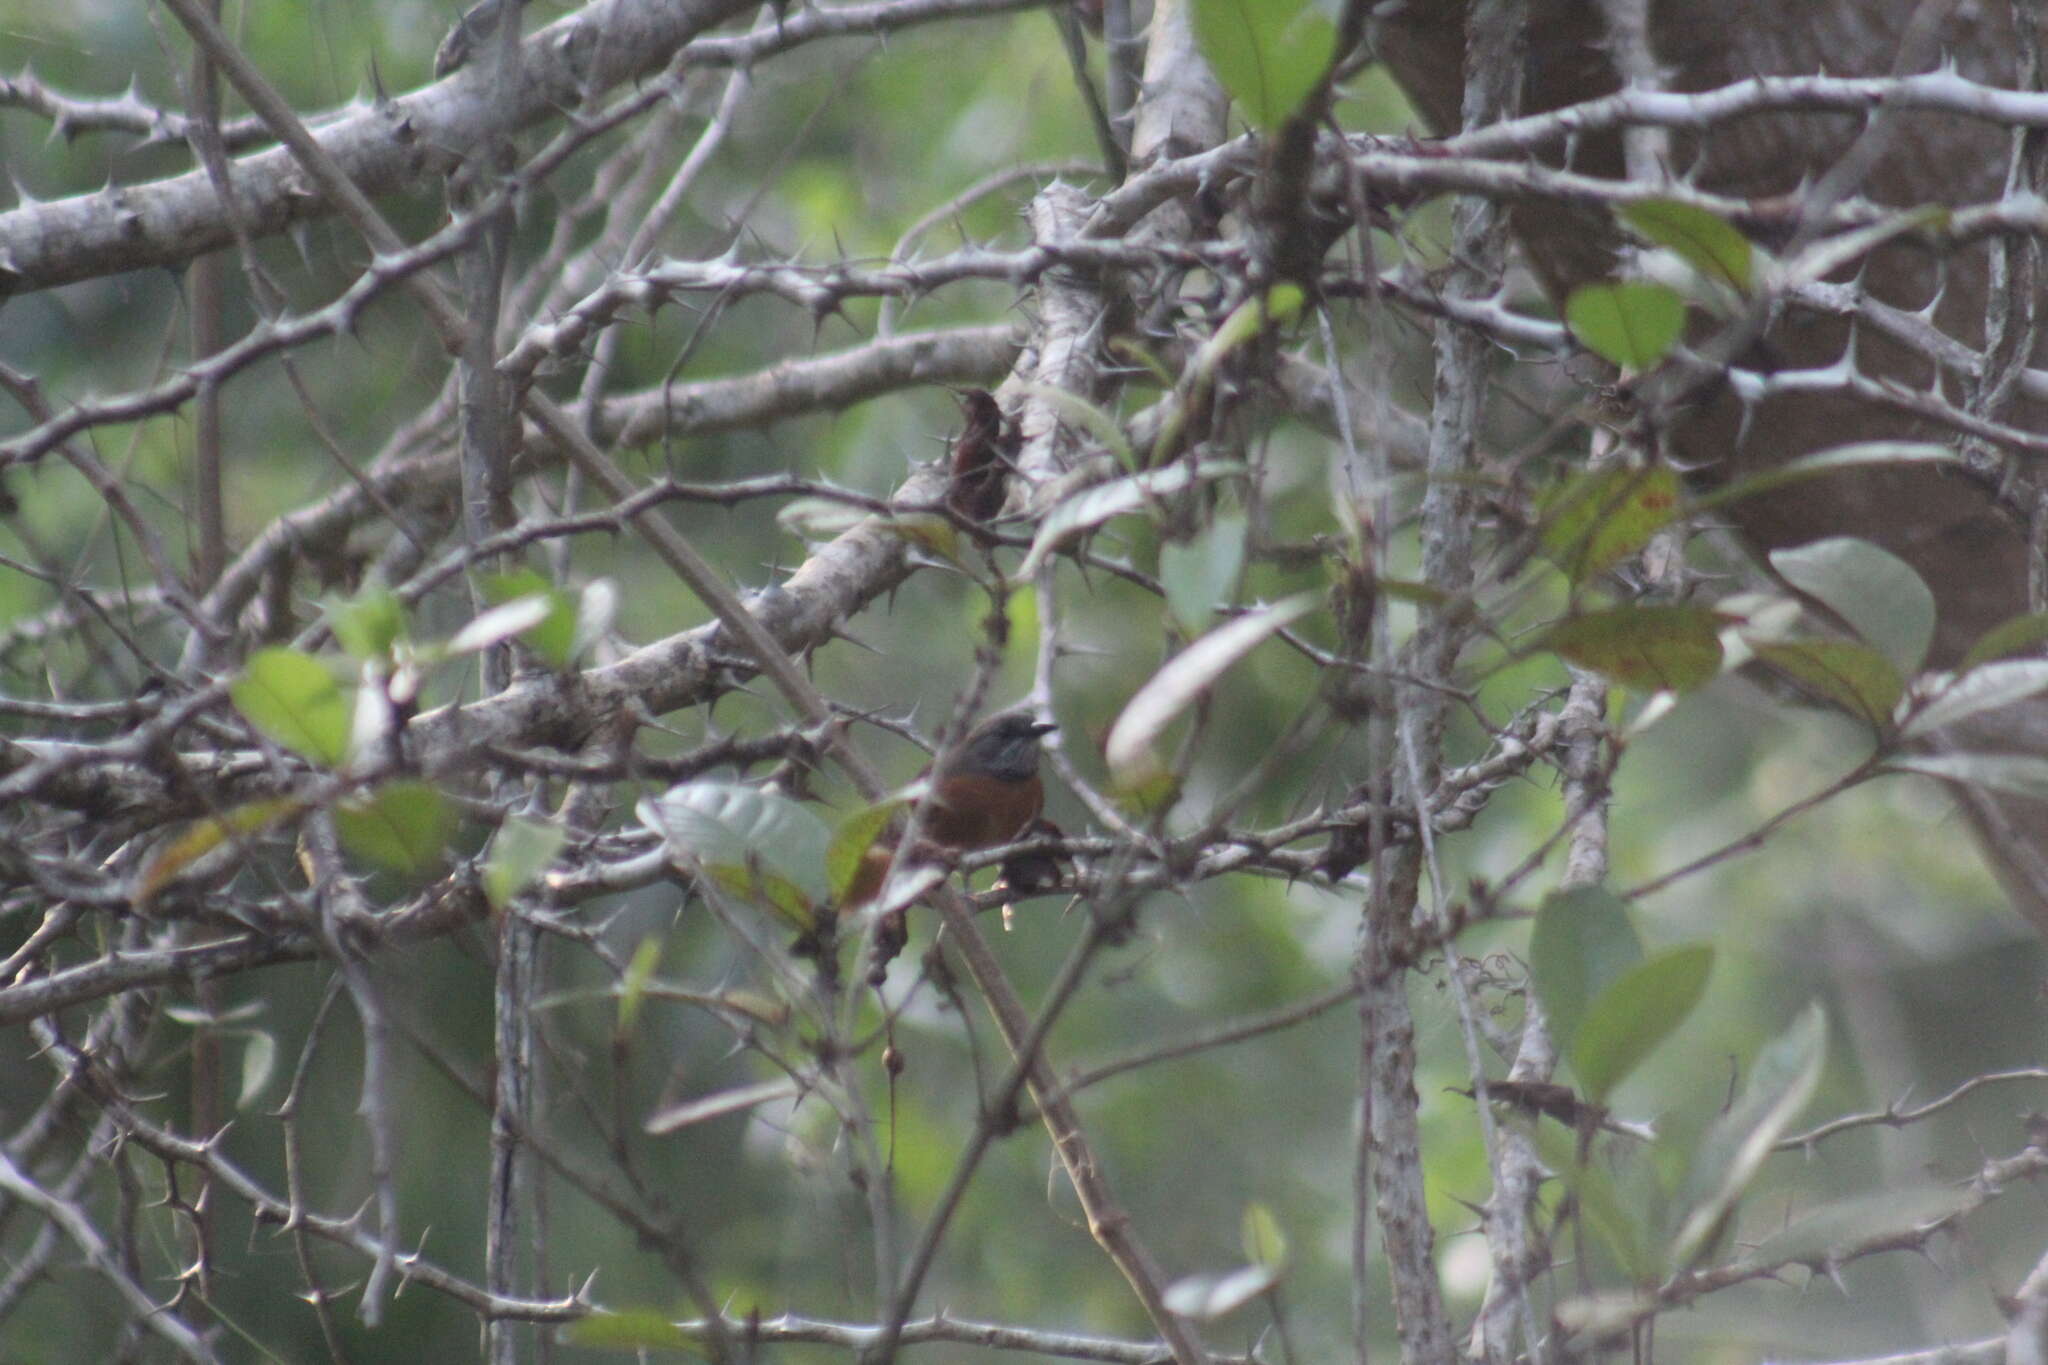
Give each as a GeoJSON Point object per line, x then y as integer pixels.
{"type": "Point", "coordinates": [1072, 407]}
{"type": "Point", "coordinates": [754, 842]}
{"type": "Point", "coordinates": [2014, 774]}
{"type": "Point", "coordinates": [1616, 1220]}
{"type": "Point", "coordinates": [402, 826]}
{"type": "Point", "coordinates": [1633, 324]}
{"type": "Point", "coordinates": [1264, 1244]}
{"type": "Point", "coordinates": [1605, 1314]}
{"type": "Point", "coordinates": [552, 636]}
{"type": "Point", "coordinates": [1644, 647]}
{"type": "Point", "coordinates": [1248, 322]}
{"type": "Point", "coordinates": [634, 1330]}
{"type": "Point", "coordinates": [1781, 1083]}
{"type": "Point", "coordinates": [633, 986]}
{"type": "Point", "coordinates": [1600, 517]}
{"type": "Point", "coordinates": [519, 852]}
{"type": "Point", "coordinates": [2020, 635]}
{"type": "Point", "coordinates": [1853, 676]}
{"type": "Point", "coordinates": [1583, 941]}
{"type": "Point", "coordinates": [1132, 761]}
{"type": "Point", "coordinates": [203, 837]}
{"type": "Point", "coordinates": [851, 841]}
{"type": "Point", "coordinates": [1089, 508]}
{"type": "Point", "coordinates": [1643, 1007]}
{"type": "Point", "coordinates": [1199, 575]}
{"type": "Point", "coordinates": [820, 518]}
{"type": "Point", "coordinates": [292, 698]}
{"type": "Point", "coordinates": [1212, 1295]}
{"type": "Point", "coordinates": [1823, 1235]}
{"type": "Point", "coordinates": [1271, 55]}
{"type": "Point", "coordinates": [259, 1061]}
{"type": "Point", "coordinates": [738, 1100]}
{"type": "Point", "coordinates": [368, 624]}
{"type": "Point", "coordinates": [1986, 688]}
{"type": "Point", "coordinates": [1875, 592]}
{"type": "Point", "coordinates": [1860, 455]}
{"type": "Point", "coordinates": [1709, 245]}
{"type": "Point", "coordinates": [597, 607]}
{"type": "Point", "coordinates": [495, 625]}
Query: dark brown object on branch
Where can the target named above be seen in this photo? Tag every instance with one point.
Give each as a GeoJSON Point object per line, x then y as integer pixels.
{"type": "Point", "coordinates": [1960, 533]}
{"type": "Point", "coordinates": [983, 454]}
{"type": "Point", "coordinates": [988, 794]}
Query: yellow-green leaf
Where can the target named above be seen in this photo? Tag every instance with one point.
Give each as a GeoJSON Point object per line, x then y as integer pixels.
{"type": "Point", "coordinates": [1269, 54]}
{"type": "Point", "coordinates": [1634, 324]}
{"type": "Point", "coordinates": [1600, 517]}
{"type": "Point", "coordinates": [293, 699]}
{"type": "Point", "coordinates": [402, 826]}
{"type": "Point", "coordinates": [519, 852]}
{"type": "Point", "coordinates": [1709, 245]}
{"type": "Point", "coordinates": [1647, 648]}
{"type": "Point", "coordinates": [1852, 675]}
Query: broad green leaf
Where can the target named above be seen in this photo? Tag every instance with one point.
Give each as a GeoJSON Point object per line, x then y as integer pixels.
{"type": "Point", "coordinates": [2021, 635]}
{"type": "Point", "coordinates": [1089, 508]}
{"type": "Point", "coordinates": [1132, 759]}
{"type": "Point", "coordinates": [1264, 1244]}
{"type": "Point", "coordinates": [1781, 1082]}
{"type": "Point", "coordinates": [1861, 455]}
{"type": "Point", "coordinates": [756, 843]}
{"type": "Point", "coordinates": [1613, 1218]}
{"type": "Point", "coordinates": [1825, 1234]}
{"type": "Point", "coordinates": [203, 837]}
{"type": "Point", "coordinates": [259, 1061]}
{"type": "Point", "coordinates": [1642, 1008]}
{"type": "Point", "coordinates": [1207, 1296]}
{"type": "Point", "coordinates": [1709, 245]}
{"type": "Point", "coordinates": [1647, 648]}
{"type": "Point", "coordinates": [1600, 517]}
{"type": "Point", "coordinates": [635, 1330]}
{"type": "Point", "coordinates": [1878, 594]}
{"type": "Point", "coordinates": [1202, 573]}
{"type": "Point", "coordinates": [2014, 774]}
{"type": "Point", "coordinates": [401, 826]}
{"type": "Point", "coordinates": [519, 852]}
{"type": "Point", "coordinates": [1987, 688]}
{"type": "Point", "coordinates": [293, 699]}
{"type": "Point", "coordinates": [1853, 676]}
{"type": "Point", "coordinates": [1269, 54]}
{"type": "Point", "coordinates": [1633, 324]}
{"type": "Point", "coordinates": [1582, 942]}
{"type": "Point", "coordinates": [368, 624]}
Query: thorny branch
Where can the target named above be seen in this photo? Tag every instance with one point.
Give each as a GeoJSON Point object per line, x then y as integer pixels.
{"type": "Point", "coordinates": [1111, 288]}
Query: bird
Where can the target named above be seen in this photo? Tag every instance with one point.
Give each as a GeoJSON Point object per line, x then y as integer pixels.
{"type": "Point", "coordinates": [986, 794]}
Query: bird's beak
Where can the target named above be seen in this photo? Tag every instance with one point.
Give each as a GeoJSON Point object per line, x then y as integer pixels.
{"type": "Point", "coordinates": [1043, 727]}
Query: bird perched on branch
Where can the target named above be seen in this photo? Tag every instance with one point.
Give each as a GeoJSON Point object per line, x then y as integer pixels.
{"type": "Point", "coordinates": [986, 794]}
